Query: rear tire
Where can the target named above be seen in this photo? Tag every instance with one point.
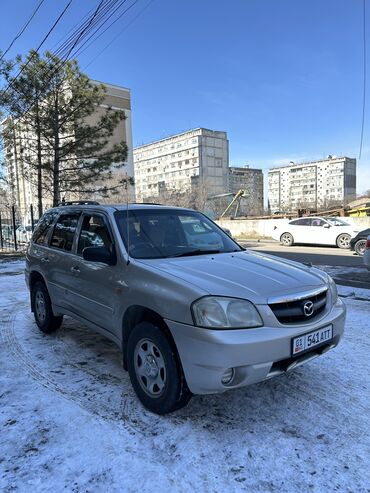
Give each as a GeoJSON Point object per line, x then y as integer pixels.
{"type": "Point", "coordinates": [343, 241]}
{"type": "Point", "coordinates": [360, 247]}
{"type": "Point", "coordinates": [45, 319]}
{"type": "Point", "coordinates": [286, 239]}
{"type": "Point", "coordinates": [155, 370]}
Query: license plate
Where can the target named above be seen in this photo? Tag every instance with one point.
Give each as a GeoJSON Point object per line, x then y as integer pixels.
{"type": "Point", "coordinates": [312, 339]}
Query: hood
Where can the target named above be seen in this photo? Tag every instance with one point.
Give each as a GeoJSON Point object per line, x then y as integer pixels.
{"type": "Point", "coordinates": [246, 274]}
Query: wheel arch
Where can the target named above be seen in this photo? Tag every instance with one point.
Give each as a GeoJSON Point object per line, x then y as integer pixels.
{"type": "Point", "coordinates": [139, 313]}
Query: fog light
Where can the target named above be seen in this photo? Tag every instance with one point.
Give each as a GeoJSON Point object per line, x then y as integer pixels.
{"type": "Point", "coordinates": [227, 376]}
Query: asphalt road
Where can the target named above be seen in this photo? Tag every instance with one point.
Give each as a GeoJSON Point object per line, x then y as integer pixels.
{"type": "Point", "coordinates": [344, 266]}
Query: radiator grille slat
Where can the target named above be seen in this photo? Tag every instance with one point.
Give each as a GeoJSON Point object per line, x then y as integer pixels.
{"type": "Point", "coordinates": [293, 311]}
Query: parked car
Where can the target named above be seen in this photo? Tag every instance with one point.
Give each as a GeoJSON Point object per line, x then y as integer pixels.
{"type": "Point", "coordinates": [358, 242]}
{"type": "Point", "coordinates": [367, 254]}
{"type": "Point", "coordinates": [23, 234]}
{"type": "Point", "coordinates": [315, 230]}
{"type": "Point", "coordinates": [7, 232]}
{"type": "Point", "coordinates": [199, 234]}
{"type": "Point", "coordinates": [190, 318]}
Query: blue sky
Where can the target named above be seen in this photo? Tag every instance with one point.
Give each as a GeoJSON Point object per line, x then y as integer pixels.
{"type": "Point", "coordinates": [282, 77]}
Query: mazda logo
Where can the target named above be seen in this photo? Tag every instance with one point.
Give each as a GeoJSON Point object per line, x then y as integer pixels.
{"type": "Point", "coordinates": [308, 308]}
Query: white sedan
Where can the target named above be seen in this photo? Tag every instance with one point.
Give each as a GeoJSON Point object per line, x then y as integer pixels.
{"type": "Point", "coordinates": [315, 230]}
{"type": "Point", "coordinates": [367, 254]}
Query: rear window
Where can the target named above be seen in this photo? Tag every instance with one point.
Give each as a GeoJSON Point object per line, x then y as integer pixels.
{"type": "Point", "coordinates": [64, 231]}
{"type": "Point", "coordinates": [43, 227]}
{"type": "Point", "coordinates": [301, 222]}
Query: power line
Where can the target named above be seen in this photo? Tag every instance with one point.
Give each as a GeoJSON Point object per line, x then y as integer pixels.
{"type": "Point", "coordinates": [119, 33]}
{"type": "Point", "coordinates": [364, 80]}
{"type": "Point", "coordinates": [64, 46]}
{"type": "Point", "coordinates": [39, 46]}
{"type": "Point", "coordinates": [81, 34]}
{"type": "Point", "coordinates": [22, 29]}
{"type": "Point", "coordinates": [99, 19]}
{"type": "Point", "coordinates": [105, 21]}
{"type": "Point", "coordinates": [106, 29]}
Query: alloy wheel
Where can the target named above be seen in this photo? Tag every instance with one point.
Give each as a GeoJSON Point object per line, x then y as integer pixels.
{"type": "Point", "coordinates": [150, 367]}
{"type": "Point", "coordinates": [40, 306]}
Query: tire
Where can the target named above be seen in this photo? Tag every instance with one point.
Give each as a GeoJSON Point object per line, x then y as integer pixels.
{"type": "Point", "coordinates": [360, 247]}
{"type": "Point", "coordinates": [155, 370]}
{"type": "Point", "coordinates": [286, 239]}
{"type": "Point", "coordinates": [343, 241]}
{"type": "Point", "coordinates": [45, 319]}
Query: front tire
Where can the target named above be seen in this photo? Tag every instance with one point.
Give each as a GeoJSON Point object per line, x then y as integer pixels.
{"type": "Point", "coordinates": [45, 319]}
{"type": "Point", "coordinates": [286, 239]}
{"type": "Point", "coordinates": [360, 247]}
{"type": "Point", "coordinates": [155, 371]}
{"type": "Point", "coordinates": [343, 241]}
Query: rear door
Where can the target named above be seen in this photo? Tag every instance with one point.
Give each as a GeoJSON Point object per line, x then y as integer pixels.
{"type": "Point", "coordinates": [300, 230]}
{"type": "Point", "coordinates": [60, 259]}
{"type": "Point", "coordinates": [93, 293]}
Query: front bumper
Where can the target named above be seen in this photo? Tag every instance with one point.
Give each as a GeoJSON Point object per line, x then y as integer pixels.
{"type": "Point", "coordinates": [254, 354]}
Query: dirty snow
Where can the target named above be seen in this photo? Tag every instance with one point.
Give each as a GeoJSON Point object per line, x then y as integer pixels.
{"type": "Point", "coordinates": [70, 420]}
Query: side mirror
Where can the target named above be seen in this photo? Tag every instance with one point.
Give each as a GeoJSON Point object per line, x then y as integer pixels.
{"type": "Point", "coordinates": [326, 225]}
{"type": "Point", "coordinates": [99, 254]}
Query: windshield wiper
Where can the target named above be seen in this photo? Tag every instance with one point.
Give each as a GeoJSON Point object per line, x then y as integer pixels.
{"type": "Point", "coordinates": [194, 252]}
{"type": "Point", "coordinates": [201, 252]}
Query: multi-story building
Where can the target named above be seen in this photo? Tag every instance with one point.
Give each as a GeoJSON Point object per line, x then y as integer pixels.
{"type": "Point", "coordinates": [21, 177]}
{"type": "Point", "coordinates": [175, 164]}
{"type": "Point", "coordinates": [315, 185]}
{"type": "Point", "coordinates": [251, 181]}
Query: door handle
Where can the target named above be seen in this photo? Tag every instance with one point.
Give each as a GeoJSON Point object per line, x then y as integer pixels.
{"type": "Point", "coordinates": [75, 270]}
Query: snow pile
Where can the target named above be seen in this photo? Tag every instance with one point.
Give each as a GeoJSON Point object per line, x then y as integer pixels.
{"type": "Point", "coordinates": [70, 420]}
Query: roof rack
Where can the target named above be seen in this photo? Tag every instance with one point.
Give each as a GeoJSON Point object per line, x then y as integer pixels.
{"type": "Point", "coordinates": [78, 202]}
{"type": "Point", "coordinates": [144, 203]}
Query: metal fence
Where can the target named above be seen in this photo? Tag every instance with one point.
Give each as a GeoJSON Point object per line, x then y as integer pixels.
{"type": "Point", "coordinates": [16, 227]}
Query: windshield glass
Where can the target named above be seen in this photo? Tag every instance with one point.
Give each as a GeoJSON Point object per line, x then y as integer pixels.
{"type": "Point", "coordinates": [163, 233]}
{"type": "Point", "coordinates": [336, 222]}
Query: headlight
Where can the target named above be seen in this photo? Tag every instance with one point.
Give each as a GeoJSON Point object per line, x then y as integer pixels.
{"type": "Point", "coordinates": [333, 290]}
{"type": "Point", "coordinates": [219, 313]}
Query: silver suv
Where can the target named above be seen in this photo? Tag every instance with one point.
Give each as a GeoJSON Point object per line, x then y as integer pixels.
{"type": "Point", "coordinates": [192, 311]}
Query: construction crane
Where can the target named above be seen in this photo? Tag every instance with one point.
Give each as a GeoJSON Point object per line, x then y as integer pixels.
{"type": "Point", "coordinates": [236, 200]}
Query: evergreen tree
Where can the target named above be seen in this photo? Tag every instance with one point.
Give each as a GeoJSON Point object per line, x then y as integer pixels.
{"type": "Point", "coordinates": [60, 128]}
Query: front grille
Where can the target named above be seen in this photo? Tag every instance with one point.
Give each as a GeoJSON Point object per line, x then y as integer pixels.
{"type": "Point", "coordinates": [296, 311]}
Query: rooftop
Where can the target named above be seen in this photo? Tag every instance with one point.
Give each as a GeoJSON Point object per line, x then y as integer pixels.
{"type": "Point", "coordinates": [311, 161]}
{"type": "Point", "coordinates": [141, 146]}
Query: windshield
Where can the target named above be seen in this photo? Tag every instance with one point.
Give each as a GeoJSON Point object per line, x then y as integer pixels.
{"type": "Point", "coordinates": [164, 233]}
{"type": "Point", "coordinates": [336, 222]}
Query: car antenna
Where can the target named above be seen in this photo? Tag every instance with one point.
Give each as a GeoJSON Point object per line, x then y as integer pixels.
{"type": "Point", "coordinates": [128, 229]}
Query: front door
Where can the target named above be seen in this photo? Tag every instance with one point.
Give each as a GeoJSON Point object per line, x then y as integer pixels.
{"type": "Point", "coordinates": [94, 291]}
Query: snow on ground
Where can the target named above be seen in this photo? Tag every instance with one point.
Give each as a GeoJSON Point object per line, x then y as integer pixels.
{"type": "Point", "coordinates": [355, 276]}
{"type": "Point", "coordinates": [70, 420]}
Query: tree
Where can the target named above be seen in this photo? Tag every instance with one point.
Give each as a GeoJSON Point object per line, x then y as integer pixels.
{"type": "Point", "coordinates": [58, 126]}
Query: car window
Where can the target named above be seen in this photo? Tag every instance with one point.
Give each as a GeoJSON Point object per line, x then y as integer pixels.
{"type": "Point", "coordinates": [318, 222]}
{"type": "Point", "coordinates": [306, 221]}
{"type": "Point", "coordinates": [64, 231]}
{"type": "Point", "coordinates": [336, 222]}
{"type": "Point", "coordinates": [165, 233]}
{"type": "Point", "coordinates": [94, 233]}
{"type": "Point", "coordinates": [43, 227]}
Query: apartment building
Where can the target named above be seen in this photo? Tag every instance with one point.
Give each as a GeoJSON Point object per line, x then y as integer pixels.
{"type": "Point", "coordinates": [317, 184]}
{"type": "Point", "coordinates": [21, 176]}
{"type": "Point", "coordinates": [198, 157]}
{"type": "Point", "coordinates": [250, 180]}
